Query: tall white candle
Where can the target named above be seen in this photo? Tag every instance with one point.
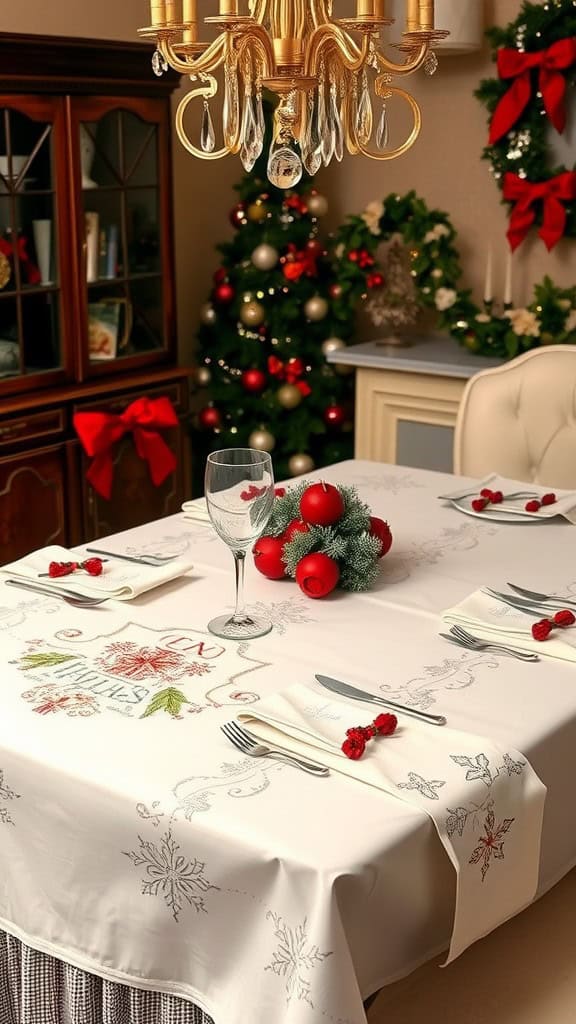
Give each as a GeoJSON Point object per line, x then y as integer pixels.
{"type": "Point", "coordinates": [488, 291]}
{"type": "Point", "coordinates": [508, 282]}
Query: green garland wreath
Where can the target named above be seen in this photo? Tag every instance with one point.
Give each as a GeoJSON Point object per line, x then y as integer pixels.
{"type": "Point", "coordinates": [523, 150]}
{"type": "Point", "coordinates": [435, 266]}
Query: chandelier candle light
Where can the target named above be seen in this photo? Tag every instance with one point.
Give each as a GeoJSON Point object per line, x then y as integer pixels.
{"type": "Point", "coordinates": [328, 74]}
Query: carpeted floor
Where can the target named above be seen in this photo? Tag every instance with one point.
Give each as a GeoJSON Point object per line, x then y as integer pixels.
{"type": "Point", "coordinates": [524, 973]}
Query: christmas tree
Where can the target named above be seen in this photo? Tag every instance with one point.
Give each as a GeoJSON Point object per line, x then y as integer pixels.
{"type": "Point", "coordinates": [272, 318]}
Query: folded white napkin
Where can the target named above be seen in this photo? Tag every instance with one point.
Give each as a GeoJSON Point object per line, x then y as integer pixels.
{"type": "Point", "coordinates": [490, 619]}
{"type": "Point", "coordinates": [469, 786]}
{"type": "Point", "coordinates": [196, 510]}
{"type": "Point", "coordinates": [564, 506]}
{"type": "Point", "coordinates": [120, 581]}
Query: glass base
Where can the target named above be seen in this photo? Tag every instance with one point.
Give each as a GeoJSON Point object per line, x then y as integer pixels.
{"type": "Point", "coordinates": [247, 627]}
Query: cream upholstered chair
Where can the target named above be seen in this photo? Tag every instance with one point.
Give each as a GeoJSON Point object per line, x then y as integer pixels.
{"type": "Point", "coordinates": [519, 419]}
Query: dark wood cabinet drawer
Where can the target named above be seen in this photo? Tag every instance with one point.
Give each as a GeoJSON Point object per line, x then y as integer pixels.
{"type": "Point", "coordinates": [176, 391]}
{"type": "Point", "coordinates": [32, 505]}
{"type": "Point", "coordinates": [31, 427]}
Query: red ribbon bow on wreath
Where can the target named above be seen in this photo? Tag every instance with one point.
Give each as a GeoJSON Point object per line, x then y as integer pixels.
{"type": "Point", "coordinates": [100, 431]}
{"type": "Point", "coordinates": [553, 193]}
{"type": "Point", "coordinates": [18, 249]}
{"type": "Point", "coordinates": [551, 83]}
{"type": "Point", "coordinates": [290, 372]}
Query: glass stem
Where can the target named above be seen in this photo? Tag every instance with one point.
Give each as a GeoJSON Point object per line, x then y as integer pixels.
{"type": "Point", "coordinates": [239, 559]}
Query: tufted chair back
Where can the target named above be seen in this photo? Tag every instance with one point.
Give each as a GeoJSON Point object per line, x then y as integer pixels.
{"type": "Point", "coordinates": [519, 420]}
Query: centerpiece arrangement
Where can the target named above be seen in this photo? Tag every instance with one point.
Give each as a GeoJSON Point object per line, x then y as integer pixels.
{"type": "Point", "coordinates": [324, 537]}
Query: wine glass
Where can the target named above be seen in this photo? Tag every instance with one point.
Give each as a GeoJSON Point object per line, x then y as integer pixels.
{"type": "Point", "coordinates": [239, 488]}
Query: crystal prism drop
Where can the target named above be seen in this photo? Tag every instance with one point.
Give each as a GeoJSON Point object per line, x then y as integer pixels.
{"type": "Point", "coordinates": [364, 118]}
{"type": "Point", "coordinates": [431, 64]}
{"type": "Point", "coordinates": [336, 125]}
{"type": "Point", "coordinates": [284, 166]}
{"type": "Point", "coordinates": [260, 121]}
{"type": "Point", "coordinates": [207, 136]}
{"type": "Point", "coordinates": [159, 64]}
{"type": "Point", "coordinates": [326, 126]}
{"type": "Point", "coordinates": [231, 108]}
{"type": "Point", "coordinates": [383, 131]}
{"type": "Point", "coordinates": [249, 152]}
{"type": "Point", "coordinates": [311, 155]}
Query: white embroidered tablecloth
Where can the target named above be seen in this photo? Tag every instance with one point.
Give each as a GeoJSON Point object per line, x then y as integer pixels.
{"type": "Point", "coordinates": [136, 843]}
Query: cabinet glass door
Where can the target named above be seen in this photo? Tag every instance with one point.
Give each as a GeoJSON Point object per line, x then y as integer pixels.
{"type": "Point", "coordinates": [124, 255]}
{"type": "Point", "coordinates": [30, 329]}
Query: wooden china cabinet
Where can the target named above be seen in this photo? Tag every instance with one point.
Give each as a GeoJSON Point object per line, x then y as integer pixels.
{"type": "Point", "coordinates": [87, 311]}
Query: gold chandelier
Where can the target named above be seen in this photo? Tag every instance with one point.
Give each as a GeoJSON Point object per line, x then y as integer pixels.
{"type": "Point", "coordinates": [328, 74]}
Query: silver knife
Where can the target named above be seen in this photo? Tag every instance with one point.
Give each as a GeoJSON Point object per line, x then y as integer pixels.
{"type": "Point", "coordinates": [143, 560]}
{"type": "Point", "coordinates": [345, 690]}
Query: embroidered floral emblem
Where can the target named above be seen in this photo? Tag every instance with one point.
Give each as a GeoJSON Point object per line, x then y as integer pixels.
{"type": "Point", "coordinates": [126, 658]}
{"type": "Point", "coordinates": [294, 958]}
{"type": "Point", "coordinates": [171, 875]}
{"type": "Point", "coordinates": [491, 844]}
{"type": "Point", "coordinates": [6, 794]}
{"type": "Point", "coordinates": [51, 700]}
{"type": "Point", "coordinates": [427, 787]}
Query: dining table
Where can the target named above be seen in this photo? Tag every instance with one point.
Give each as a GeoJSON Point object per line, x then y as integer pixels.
{"type": "Point", "coordinates": [152, 873]}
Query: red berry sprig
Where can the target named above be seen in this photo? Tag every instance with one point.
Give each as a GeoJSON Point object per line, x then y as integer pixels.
{"type": "Point", "coordinates": [541, 630]}
{"type": "Point", "coordinates": [535, 505]}
{"type": "Point", "coordinates": [357, 737]}
{"type": "Point", "coordinates": [93, 566]}
{"type": "Point", "coordinates": [487, 497]}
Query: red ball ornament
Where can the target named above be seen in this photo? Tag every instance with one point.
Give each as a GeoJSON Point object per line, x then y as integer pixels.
{"type": "Point", "coordinates": [334, 416]}
{"type": "Point", "coordinates": [296, 526]}
{"type": "Point", "coordinates": [224, 293]}
{"type": "Point", "coordinates": [267, 553]}
{"type": "Point", "coordinates": [209, 418]}
{"type": "Point", "coordinates": [380, 529]}
{"type": "Point", "coordinates": [315, 248]}
{"type": "Point", "coordinates": [335, 291]}
{"type": "Point", "coordinates": [219, 275]}
{"type": "Point", "coordinates": [317, 574]}
{"type": "Point", "coordinates": [254, 381]}
{"type": "Point", "coordinates": [238, 215]}
{"type": "Point", "coordinates": [321, 504]}
{"type": "Point", "coordinates": [375, 280]}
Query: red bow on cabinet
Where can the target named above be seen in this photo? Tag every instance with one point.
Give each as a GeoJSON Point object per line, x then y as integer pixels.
{"type": "Point", "coordinates": [553, 194]}
{"type": "Point", "coordinates": [290, 372]}
{"type": "Point", "coordinates": [100, 431]}
{"type": "Point", "coordinates": [551, 83]}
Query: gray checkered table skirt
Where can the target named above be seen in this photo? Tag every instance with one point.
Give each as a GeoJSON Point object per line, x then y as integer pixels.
{"type": "Point", "coordinates": [38, 989]}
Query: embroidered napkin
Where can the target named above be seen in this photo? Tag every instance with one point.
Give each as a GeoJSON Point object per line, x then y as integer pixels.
{"type": "Point", "coordinates": [120, 581]}
{"type": "Point", "coordinates": [486, 801]}
{"type": "Point", "coordinates": [492, 620]}
{"type": "Point", "coordinates": [564, 506]}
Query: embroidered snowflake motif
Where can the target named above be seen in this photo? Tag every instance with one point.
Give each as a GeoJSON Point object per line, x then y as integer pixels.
{"type": "Point", "coordinates": [128, 659]}
{"type": "Point", "coordinates": [48, 700]}
{"type": "Point", "coordinates": [427, 787]}
{"type": "Point", "coordinates": [294, 958]}
{"type": "Point", "coordinates": [491, 844]}
{"type": "Point", "coordinates": [283, 613]}
{"type": "Point", "coordinates": [478, 768]}
{"type": "Point", "coordinates": [6, 794]}
{"type": "Point", "coordinates": [170, 875]}
{"type": "Point", "coordinates": [392, 482]}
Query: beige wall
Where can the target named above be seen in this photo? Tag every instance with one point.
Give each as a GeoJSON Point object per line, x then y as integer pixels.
{"type": "Point", "coordinates": [444, 167]}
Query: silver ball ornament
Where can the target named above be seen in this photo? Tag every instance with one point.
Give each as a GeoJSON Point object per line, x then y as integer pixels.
{"type": "Point", "coordinates": [262, 440]}
{"type": "Point", "coordinates": [203, 376]}
{"type": "Point", "coordinates": [288, 396]}
{"type": "Point", "coordinates": [208, 315]}
{"type": "Point", "coordinates": [265, 257]}
{"type": "Point", "coordinates": [252, 314]}
{"type": "Point", "coordinates": [316, 308]}
{"type": "Point", "coordinates": [301, 463]}
{"type": "Point", "coordinates": [332, 345]}
{"type": "Point", "coordinates": [317, 205]}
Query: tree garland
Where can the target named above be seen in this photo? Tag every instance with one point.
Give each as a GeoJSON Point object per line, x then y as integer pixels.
{"type": "Point", "coordinates": [536, 60]}
{"type": "Point", "coordinates": [429, 238]}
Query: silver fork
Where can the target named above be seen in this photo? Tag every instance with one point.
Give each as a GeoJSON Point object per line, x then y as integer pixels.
{"type": "Point", "coordinates": [70, 596]}
{"type": "Point", "coordinates": [460, 636]}
{"type": "Point", "coordinates": [243, 741]}
{"type": "Point", "coordinates": [535, 595]}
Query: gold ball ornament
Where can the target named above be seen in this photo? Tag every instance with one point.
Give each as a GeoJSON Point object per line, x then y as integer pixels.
{"type": "Point", "coordinates": [5, 270]}
{"type": "Point", "coordinates": [332, 345]}
{"type": "Point", "coordinates": [257, 212]}
{"type": "Point", "coordinates": [316, 308]}
{"type": "Point", "coordinates": [208, 315]}
{"type": "Point", "coordinates": [203, 376]}
{"type": "Point", "coordinates": [317, 205]}
{"type": "Point", "coordinates": [300, 463]}
{"type": "Point", "coordinates": [252, 314]}
{"type": "Point", "coordinates": [265, 257]}
{"type": "Point", "coordinates": [262, 440]}
{"type": "Point", "coordinates": [289, 396]}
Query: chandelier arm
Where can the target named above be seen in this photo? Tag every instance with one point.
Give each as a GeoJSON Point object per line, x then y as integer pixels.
{"type": "Point", "coordinates": [258, 10]}
{"type": "Point", "coordinates": [258, 36]}
{"type": "Point", "coordinates": [391, 154]}
{"type": "Point", "coordinates": [207, 89]}
{"type": "Point", "coordinates": [319, 12]}
{"type": "Point", "coordinates": [212, 58]}
{"type": "Point", "coordinates": [352, 57]}
{"type": "Point", "coordinates": [412, 65]}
